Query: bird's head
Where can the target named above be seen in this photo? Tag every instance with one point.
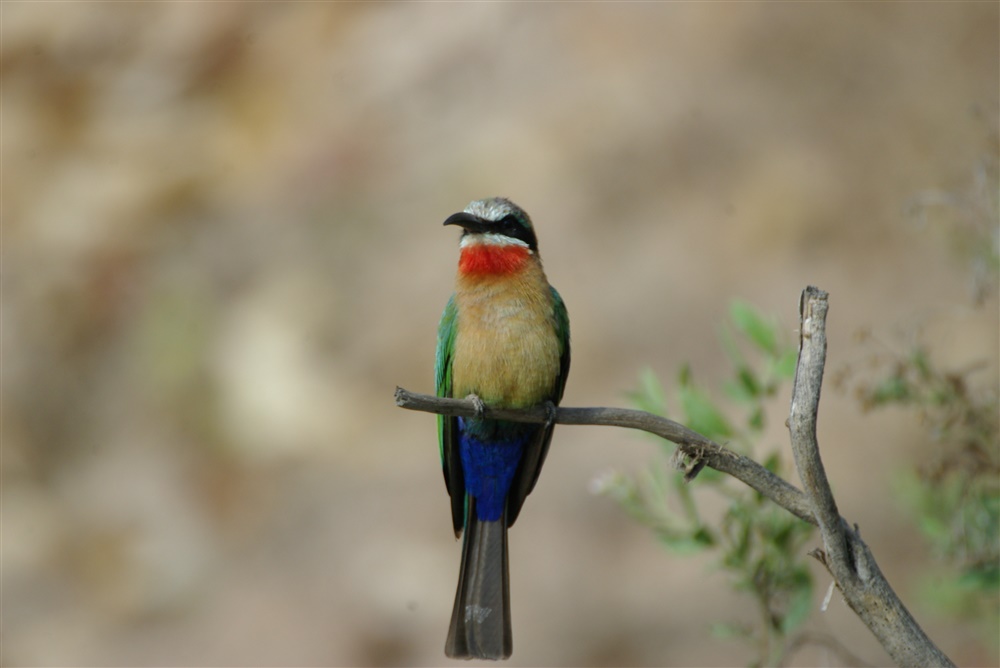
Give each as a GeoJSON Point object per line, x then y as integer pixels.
{"type": "Point", "coordinates": [497, 238]}
{"type": "Point", "coordinates": [496, 221]}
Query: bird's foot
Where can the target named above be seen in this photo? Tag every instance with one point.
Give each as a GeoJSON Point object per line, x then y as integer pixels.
{"type": "Point", "coordinates": [550, 414]}
{"type": "Point", "coordinates": [479, 404]}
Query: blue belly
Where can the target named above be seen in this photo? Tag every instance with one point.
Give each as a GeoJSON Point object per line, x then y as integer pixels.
{"type": "Point", "coordinates": [491, 451]}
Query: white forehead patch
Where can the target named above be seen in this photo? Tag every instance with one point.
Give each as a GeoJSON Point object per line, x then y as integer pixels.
{"type": "Point", "coordinates": [490, 239]}
{"type": "Point", "coordinates": [490, 209]}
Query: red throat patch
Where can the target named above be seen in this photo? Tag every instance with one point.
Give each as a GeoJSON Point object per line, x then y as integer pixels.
{"type": "Point", "coordinates": [490, 259]}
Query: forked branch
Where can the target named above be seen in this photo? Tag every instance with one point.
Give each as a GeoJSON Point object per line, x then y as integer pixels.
{"type": "Point", "coordinates": [845, 555]}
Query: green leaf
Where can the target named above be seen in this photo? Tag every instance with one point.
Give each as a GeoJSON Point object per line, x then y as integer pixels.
{"type": "Point", "coordinates": [891, 390]}
{"type": "Point", "coordinates": [650, 396]}
{"type": "Point", "coordinates": [740, 538]}
{"type": "Point", "coordinates": [724, 631]}
{"type": "Point", "coordinates": [737, 392]}
{"type": "Point", "coordinates": [773, 463]}
{"type": "Point", "coordinates": [754, 326]}
{"type": "Point", "coordinates": [784, 366]}
{"type": "Point", "coordinates": [711, 476]}
{"type": "Point", "coordinates": [748, 381]}
{"type": "Point", "coordinates": [922, 363]}
{"type": "Point", "coordinates": [704, 536]}
{"type": "Point", "coordinates": [686, 543]}
{"type": "Point", "coordinates": [801, 603]}
{"type": "Point", "coordinates": [701, 415]}
{"type": "Point", "coordinates": [732, 349]}
{"type": "Point", "coordinates": [984, 578]}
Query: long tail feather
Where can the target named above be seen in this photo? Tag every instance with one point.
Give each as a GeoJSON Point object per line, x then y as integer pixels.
{"type": "Point", "coordinates": [480, 621]}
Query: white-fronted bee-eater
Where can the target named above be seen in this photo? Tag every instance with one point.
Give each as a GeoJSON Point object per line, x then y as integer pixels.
{"type": "Point", "coordinates": [504, 337]}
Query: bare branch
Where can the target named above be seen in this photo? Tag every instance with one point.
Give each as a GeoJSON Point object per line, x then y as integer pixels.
{"type": "Point", "coordinates": [845, 556]}
{"type": "Point", "coordinates": [802, 424]}
{"type": "Point", "coordinates": [700, 450]}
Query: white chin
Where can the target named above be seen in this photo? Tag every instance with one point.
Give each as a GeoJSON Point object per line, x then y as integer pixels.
{"type": "Point", "coordinates": [488, 239]}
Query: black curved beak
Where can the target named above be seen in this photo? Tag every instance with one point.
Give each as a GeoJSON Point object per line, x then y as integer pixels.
{"type": "Point", "coordinates": [467, 221]}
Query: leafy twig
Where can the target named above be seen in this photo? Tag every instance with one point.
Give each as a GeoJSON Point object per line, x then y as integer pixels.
{"type": "Point", "coordinates": [846, 556]}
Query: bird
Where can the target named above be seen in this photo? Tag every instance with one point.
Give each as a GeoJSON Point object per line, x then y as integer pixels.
{"type": "Point", "coordinates": [503, 339]}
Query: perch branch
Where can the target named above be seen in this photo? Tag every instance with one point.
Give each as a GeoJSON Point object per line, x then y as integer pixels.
{"type": "Point", "coordinates": [846, 556]}
{"type": "Point", "coordinates": [694, 446]}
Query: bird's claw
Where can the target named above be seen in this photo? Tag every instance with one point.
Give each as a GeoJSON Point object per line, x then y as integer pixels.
{"type": "Point", "coordinates": [479, 404]}
{"type": "Point", "coordinates": [550, 414]}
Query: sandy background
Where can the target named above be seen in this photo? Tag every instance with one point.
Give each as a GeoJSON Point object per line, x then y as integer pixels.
{"type": "Point", "coordinates": [222, 250]}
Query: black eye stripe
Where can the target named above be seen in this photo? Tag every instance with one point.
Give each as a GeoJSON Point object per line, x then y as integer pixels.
{"type": "Point", "coordinates": [511, 227]}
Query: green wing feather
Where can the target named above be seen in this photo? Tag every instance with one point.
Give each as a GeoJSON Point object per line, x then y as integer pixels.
{"type": "Point", "coordinates": [562, 331]}
{"type": "Point", "coordinates": [454, 478]}
{"type": "Point", "coordinates": [534, 455]}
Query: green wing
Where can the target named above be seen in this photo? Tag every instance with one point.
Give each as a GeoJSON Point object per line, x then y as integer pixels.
{"type": "Point", "coordinates": [454, 479]}
{"type": "Point", "coordinates": [534, 455]}
{"type": "Point", "coordinates": [562, 331]}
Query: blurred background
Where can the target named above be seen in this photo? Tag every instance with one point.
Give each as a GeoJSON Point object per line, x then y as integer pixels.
{"type": "Point", "coordinates": [222, 251]}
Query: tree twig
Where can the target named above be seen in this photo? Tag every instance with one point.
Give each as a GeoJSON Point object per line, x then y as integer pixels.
{"type": "Point", "coordinates": [694, 446]}
{"type": "Point", "coordinates": [846, 556]}
{"type": "Point", "coordinates": [802, 425]}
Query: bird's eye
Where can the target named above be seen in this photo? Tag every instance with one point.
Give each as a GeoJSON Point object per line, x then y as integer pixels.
{"type": "Point", "coordinates": [508, 225]}
{"type": "Point", "coordinates": [511, 226]}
